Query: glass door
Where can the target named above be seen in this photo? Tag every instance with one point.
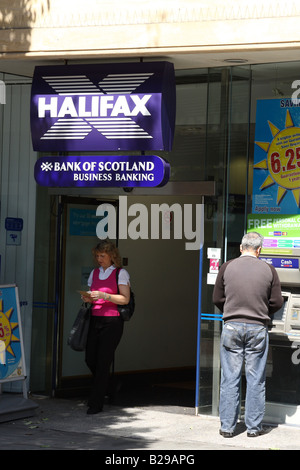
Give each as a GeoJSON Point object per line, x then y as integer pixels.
{"type": "Point", "coordinates": [226, 162]}
{"type": "Point", "coordinates": [79, 238]}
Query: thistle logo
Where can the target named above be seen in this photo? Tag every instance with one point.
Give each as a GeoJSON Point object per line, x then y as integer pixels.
{"type": "Point", "coordinates": [111, 107]}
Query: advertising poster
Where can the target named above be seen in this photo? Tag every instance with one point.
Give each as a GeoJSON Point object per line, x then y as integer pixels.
{"type": "Point", "coordinates": [281, 232]}
{"type": "Point", "coordinates": [276, 169]}
{"type": "Point", "coordinates": [12, 365]}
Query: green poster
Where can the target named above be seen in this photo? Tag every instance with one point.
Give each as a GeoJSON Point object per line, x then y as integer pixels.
{"type": "Point", "coordinates": [281, 232]}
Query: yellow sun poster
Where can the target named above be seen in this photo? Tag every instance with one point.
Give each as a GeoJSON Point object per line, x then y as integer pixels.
{"type": "Point", "coordinates": [12, 364]}
{"type": "Point", "coordinates": [276, 168]}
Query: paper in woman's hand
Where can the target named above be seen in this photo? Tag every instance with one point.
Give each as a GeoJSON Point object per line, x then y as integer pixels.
{"type": "Point", "coordinates": [86, 294]}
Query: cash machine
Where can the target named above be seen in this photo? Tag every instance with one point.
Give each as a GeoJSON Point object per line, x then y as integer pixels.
{"type": "Point", "coordinates": [281, 248]}
{"type": "Point", "coordinates": [286, 322]}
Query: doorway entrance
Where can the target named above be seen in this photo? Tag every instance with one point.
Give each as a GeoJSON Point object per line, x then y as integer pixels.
{"type": "Point", "coordinates": [159, 344]}
{"type": "Point", "coordinates": [158, 348]}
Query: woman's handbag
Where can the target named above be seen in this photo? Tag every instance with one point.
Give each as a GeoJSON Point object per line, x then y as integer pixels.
{"type": "Point", "coordinates": [126, 311]}
{"type": "Point", "coordinates": [78, 334]}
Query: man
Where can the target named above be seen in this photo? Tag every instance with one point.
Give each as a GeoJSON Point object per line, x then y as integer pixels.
{"type": "Point", "coordinates": [248, 292]}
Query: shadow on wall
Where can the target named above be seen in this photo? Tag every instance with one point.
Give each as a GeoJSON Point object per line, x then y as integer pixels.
{"type": "Point", "coordinates": [18, 17]}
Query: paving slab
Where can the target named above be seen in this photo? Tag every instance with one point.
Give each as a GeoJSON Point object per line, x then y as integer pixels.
{"type": "Point", "coordinates": [62, 424]}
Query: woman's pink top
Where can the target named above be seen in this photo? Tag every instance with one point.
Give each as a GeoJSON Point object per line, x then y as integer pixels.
{"type": "Point", "coordinates": [104, 308]}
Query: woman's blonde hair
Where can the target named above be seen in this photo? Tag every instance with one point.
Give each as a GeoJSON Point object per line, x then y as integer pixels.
{"type": "Point", "coordinates": [107, 246]}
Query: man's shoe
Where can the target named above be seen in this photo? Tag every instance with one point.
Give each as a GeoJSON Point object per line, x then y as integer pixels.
{"type": "Point", "coordinates": [258, 433]}
{"type": "Point", "coordinates": [226, 433]}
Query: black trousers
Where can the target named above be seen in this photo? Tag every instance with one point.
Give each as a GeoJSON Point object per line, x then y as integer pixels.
{"type": "Point", "coordinates": [104, 336]}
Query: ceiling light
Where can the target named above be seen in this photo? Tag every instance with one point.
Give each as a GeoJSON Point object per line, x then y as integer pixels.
{"type": "Point", "coordinates": [236, 61]}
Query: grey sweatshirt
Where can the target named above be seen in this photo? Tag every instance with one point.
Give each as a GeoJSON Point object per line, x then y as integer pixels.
{"type": "Point", "coordinates": [247, 289]}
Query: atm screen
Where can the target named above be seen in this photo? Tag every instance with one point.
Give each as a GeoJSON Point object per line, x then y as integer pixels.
{"type": "Point", "coordinates": [281, 313]}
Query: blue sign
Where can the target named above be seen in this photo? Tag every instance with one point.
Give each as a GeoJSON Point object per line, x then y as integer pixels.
{"type": "Point", "coordinates": [14, 224]}
{"type": "Point", "coordinates": [286, 263]}
{"type": "Point", "coordinates": [102, 171]}
{"type": "Point", "coordinates": [103, 107]}
{"type": "Point", "coordinates": [83, 222]}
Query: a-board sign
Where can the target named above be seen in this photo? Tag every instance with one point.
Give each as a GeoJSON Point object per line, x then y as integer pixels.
{"type": "Point", "coordinates": [12, 360]}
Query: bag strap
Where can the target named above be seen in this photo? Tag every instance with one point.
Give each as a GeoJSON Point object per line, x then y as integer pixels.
{"type": "Point", "coordinates": [117, 278]}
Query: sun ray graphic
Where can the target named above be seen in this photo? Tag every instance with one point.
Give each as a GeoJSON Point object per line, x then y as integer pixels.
{"type": "Point", "coordinates": [6, 330]}
{"type": "Point", "coordinates": [283, 160]}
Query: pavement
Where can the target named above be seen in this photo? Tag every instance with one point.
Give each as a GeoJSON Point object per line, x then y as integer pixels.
{"type": "Point", "coordinates": [142, 431]}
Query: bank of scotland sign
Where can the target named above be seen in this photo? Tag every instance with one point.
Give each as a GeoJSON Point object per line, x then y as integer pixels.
{"type": "Point", "coordinates": [107, 107]}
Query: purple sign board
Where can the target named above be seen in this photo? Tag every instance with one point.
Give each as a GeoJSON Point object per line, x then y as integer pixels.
{"type": "Point", "coordinates": [286, 263]}
{"type": "Point", "coordinates": [103, 107]}
{"type": "Point", "coordinates": [100, 171]}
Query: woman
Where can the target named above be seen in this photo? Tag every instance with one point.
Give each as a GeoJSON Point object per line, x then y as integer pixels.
{"type": "Point", "coordinates": [106, 326]}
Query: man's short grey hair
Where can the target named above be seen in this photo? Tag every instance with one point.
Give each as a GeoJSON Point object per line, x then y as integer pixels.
{"type": "Point", "coordinates": [252, 241]}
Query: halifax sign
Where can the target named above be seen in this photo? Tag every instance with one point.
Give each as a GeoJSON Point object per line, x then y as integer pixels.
{"type": "Point", "coordinates": [103, 107]}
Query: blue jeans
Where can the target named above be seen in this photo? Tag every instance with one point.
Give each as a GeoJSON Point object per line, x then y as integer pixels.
{"type": "Point", "coordinates": [243, 342]}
